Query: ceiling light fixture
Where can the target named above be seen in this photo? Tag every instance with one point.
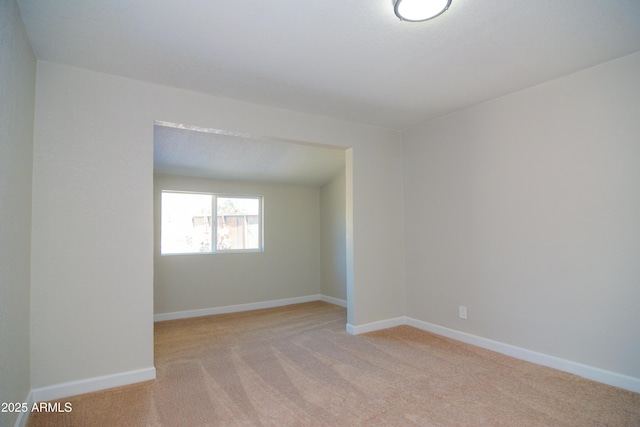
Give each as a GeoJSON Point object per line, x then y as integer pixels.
{"type": "Point", "coordinates": [420, 10]}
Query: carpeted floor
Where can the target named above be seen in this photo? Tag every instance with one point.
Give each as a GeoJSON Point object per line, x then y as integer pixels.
{"type": "Point", "coordinates": [296, 366]}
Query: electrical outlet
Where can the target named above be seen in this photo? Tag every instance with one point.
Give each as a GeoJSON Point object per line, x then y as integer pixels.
{"type": "Point", "coordinates": [463, 312]}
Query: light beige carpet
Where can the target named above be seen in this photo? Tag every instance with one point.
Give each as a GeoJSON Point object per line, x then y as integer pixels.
{"type": "Point", "coordinates": [296, 366]}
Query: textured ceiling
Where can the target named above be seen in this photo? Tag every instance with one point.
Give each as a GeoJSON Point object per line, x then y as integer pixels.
{"type": "Point", "coordinates": [221, 155]}
{"type": "Point", "coordinates": [353, 60]}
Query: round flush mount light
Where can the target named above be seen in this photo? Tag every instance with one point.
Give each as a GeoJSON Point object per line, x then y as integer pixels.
{"type": "Point", "coordinates": [420, 10]}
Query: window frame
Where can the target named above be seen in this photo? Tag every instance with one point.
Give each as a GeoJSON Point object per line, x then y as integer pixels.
{"type": "Point", "coordinates": [214, 223]}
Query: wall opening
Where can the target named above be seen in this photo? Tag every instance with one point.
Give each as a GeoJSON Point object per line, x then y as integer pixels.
{"type": "Point", "coordinates": [235, 160]}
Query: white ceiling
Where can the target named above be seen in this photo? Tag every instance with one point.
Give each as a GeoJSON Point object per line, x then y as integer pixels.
{"type": "Point", "coordinates": [352, 60]}
{"type": "Point", "coordinates": [208, 153]}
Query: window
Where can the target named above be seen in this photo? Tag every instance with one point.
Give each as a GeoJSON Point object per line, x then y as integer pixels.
{"type": "Point", "coordinates": [189, 226]}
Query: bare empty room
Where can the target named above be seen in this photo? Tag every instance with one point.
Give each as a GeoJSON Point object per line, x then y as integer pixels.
{"type": "Point", "coordinates": [320, 213]}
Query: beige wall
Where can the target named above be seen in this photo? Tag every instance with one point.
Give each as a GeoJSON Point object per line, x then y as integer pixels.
{"type": "Point", "coordinates": [17, 97]}
{"type": "Point", "coordinates": [289, 267]}
{"type": "Point", "coordinates": [333, 237]}
{"type": "Point", "coordinates": [526, 210]}
{"type": "Point", "coordinates": [92, 270]}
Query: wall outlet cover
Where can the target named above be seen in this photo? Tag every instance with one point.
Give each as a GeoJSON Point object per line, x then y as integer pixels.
{"type": "Point", "coordinates": [463, 312]}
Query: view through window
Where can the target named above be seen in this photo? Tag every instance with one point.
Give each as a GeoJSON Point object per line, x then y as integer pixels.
{"type": "Point", "coordinates": [189, 226]}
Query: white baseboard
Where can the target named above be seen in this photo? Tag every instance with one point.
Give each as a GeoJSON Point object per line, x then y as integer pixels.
{"type": "Point", "coordinates": [246, 307]}
{"type": "Point", "coordinates": [334, 301]}
{"type": "Point", "coordinates": [590, 372]}
{"type": "Point", "coordinates": [58, 391]}
{"type": "Point", "coordinates": [375, 326]}
{"type": "Point", "coordinates": [23, 417]}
